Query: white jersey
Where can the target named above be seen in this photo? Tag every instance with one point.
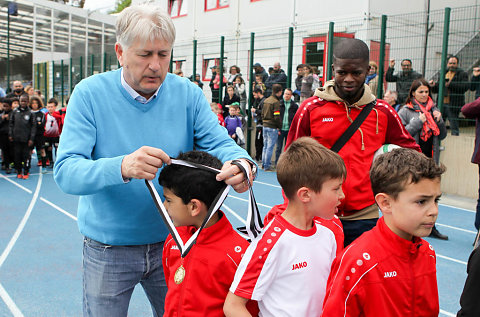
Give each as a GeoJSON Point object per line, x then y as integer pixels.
{"type": "Point", "coordinates": [286, 269]}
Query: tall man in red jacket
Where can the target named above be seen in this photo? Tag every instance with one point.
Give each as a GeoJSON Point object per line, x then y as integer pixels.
{"type": "Point", "coordinates": [327, 114]}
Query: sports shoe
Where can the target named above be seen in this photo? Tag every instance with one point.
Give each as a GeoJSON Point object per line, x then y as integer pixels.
{"type": "Point", "coordinates": [48, 162]}
{"type": "Point", "coordinates": [25, 176]}
{"type": "Point", "coordinates": [44, 170]}
{"type": "Point", "coordinates": [39, 163]}
{"type": "Point", "coordinates": [19, 176]}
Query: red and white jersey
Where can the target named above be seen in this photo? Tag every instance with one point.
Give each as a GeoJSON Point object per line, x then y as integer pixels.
{"type": "Point", "coordinates": [286, 269]}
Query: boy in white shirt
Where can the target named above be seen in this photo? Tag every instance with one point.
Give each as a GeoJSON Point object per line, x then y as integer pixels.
{"type": "Point", "coordinates": [286, 268]}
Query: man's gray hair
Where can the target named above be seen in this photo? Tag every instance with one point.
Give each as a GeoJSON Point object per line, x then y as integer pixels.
{"type": "Point", "coordinates": [145, 23]}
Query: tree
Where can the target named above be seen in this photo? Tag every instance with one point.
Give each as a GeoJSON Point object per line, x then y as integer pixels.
{"type": "Point", "coordinates": [120, 5]}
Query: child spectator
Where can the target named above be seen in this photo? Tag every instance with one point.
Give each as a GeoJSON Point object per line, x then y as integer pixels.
{"type": "Point", "coordinates": [15, 102]}
{"type": "Point", "coordinates": [22, 130]}
{"type": "Point", "coordinates": [259, 83]}
{"type": "Point", "coordinates": [286, 268]}
{"type": "Point", "coordinates": [5, 144]}
{"type": "Point", "coordinates": [239, 85]}
{"type": "Point", "coordinates": [36, 105]}
{"type": "Point", "coordinates": [230, 98]}
{"type": "Point", "coordinates": [209, 266]}
{"type": "Point", "coordinates": [53, 129]}
{"type": "Point", "coordinates": [390, 270]}
{"type": "Point", "coordinates": [232, 121]}
{"type": "Point", "coordinates": [218, 112]}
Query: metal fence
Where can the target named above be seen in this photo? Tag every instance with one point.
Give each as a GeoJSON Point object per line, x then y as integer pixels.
{"type": "Point", "coordinates": [427, 39]}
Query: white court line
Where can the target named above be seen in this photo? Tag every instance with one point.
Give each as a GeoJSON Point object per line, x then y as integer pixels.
{"type": "Point", "coordinates": [16, 184]}
{"type": "Point", "coordinates": [10, 303]}
{"type": "Point", "coordinates": [58, 208]}
{"type": "Point", "coordinates": [469, 210]}
{"type": "Point", "coordinates": [456, 228]}
{"type": "Point", "coordinates": [258, 204]}
{"type": "Point", "coordinates": [234, 214]}
{"type": "Point", "coordinates": [268, 184]}
{"type": "Point", "coordinates": [446, 313]}
{"type": "Point", "coordinates": [20, 227]}
{"type": "Point", "coordinates": [451, 259]}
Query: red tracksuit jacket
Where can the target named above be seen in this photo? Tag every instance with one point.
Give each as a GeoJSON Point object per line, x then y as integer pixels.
{"type": "Point", "coordinates": [381, 274]}
{"type": "Point", "coordinates": [209, 270]}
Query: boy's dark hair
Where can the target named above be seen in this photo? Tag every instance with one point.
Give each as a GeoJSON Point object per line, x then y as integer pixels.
{"type": "Point", "coordinates": [53, 100]}
{"type": "Point", "coordinates": [14, 99]}
{"type": "Point", "coordinates": [8, 101]}
{"type": "Point", "coordinates": [307, 163]}
{"type": "Point", "coordinates": [392, 171]}
{"type": "Point", "coordinates": [193, 183]}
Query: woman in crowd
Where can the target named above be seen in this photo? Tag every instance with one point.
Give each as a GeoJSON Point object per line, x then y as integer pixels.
{"type": "Point", "coordinates": [424, 122]}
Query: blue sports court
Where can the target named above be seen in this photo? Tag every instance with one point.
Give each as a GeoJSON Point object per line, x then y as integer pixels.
{"type": "Point", "coordinates": [41, 248]}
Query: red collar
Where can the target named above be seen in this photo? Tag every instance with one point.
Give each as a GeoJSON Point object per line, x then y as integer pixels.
{"type": "Point", "coordinates": [396, 244]}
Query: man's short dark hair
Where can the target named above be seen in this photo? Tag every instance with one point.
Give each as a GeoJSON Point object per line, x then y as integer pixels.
{"type": "Point", "coordinates": [453, 56]}
{"type": "Point", "coordinates": [289, 90]}
{"type": "Point", "coordinates": [53, 100]}
{"type": "Point", "coordinates": [300, 66]}
{"type": "Point", "coordinates": [407, 60]}
{"type": "Point", "coordinates": [193, 183]}
{"type": "Point", "coordinates": [258, 91]}
{"type": "Point", "coordinates": [351, 49]}
{"type": "Point", "coordinates": [276, 88]}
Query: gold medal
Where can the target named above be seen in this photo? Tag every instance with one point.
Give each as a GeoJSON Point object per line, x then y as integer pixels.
{"type": "Point", "coordinates": [179, 275]}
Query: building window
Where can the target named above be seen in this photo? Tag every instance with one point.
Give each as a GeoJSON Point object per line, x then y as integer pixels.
{"type": "Point", "coordinates": [255, 0]}
{"type": "Point", "coordinates": [208, 62]}
{"type": "Point", "coordinates": [177, 8]}
{"type": "Point", "coordinates": [216, 4]}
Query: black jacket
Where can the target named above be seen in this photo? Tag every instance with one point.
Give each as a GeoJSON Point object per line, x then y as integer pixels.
{"type": "Point", "coordinates": [291, 111]}
{"type": "Point", "coordinates": [457, 88]}
{"type": "Point", "coordinates": [22, 126]}
{"type": "Point", "coordinates": [4, 122]}
{"type": "Point", "coordinates": [469, 303]}
{"type": "Point", "coordinates": [404, 82]}
{"type": "Point", "coordinates": [39, 118]}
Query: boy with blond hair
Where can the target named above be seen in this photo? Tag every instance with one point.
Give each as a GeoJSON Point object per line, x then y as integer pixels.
{"type": "Point", "coordinates": [286, 268]}
{"type": "Point", "coordinates": [390, 270]}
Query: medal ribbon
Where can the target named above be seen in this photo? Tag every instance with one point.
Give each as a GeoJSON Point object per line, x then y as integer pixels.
{"type": "Point", "coordinates": [253, 217]}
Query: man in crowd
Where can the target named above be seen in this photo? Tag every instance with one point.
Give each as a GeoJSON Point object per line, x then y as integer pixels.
{"type": "Point", "coordinates": [456, 84]}
{"type": "Point", "coordinates": [120, 128]}
{"type": "Point", "coordinates": [276, 77]}
{"type": "Point", "coordinates": [259, 70]}
{"type": "Point", "coordinates": [404, 78]}
{"type": "Point", "coordinates": [271, 125]}
{"type": "Point", "coordinates": [288, 109]}
{"type": "Point", "coordinates": [327, 115]}
{"type": "Point", "coordinates": [17, 90]}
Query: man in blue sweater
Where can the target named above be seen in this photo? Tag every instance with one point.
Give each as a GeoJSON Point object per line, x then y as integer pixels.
{"type": "Point", "coordinates": [121, 128]}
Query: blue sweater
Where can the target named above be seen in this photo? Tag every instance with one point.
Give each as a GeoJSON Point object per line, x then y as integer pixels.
{"type": "Point", "coordinates": [103, 124]}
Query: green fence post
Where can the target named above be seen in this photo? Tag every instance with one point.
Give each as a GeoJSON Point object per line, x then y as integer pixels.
{"type": "Point", "coordinates": [45, 80]}
{"type": "Point", "coordinates": [37, 66]}
{"type": "Point", "coordinates": [8, 51]}
{"type": "Point", "coordinates": [194, 60]}
{"type": "Point", "coordinates": [381, 67]}
{"type": "Point", "coordinates": [220, 90]}
{"type": "Point", "coordinates": [441, 82]}
{"type": "Point", "coordinates": [290, 57]}
{"type": "Point", "coordinates": [328, 76]}
{"type": "Point", "coordinates": [250, 93]}
{"type": "Point", "coordinates": [81, 67]}
{"type": "Point", "coordinates": [104, 62]}
{"type": "Point", "coordinates": [92, 64]}
{"type": "Point", "coordinates": [70, 78]}
{"type": "Point", "coordinates": [62, 79]}
{"type": "Point", "coordinates": [171, 62]}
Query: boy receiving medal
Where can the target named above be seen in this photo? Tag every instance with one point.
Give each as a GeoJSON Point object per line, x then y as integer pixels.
{"type": "Point", "coordinates": [198, 283]}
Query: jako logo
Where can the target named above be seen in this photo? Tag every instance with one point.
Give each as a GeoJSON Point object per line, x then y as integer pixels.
{"type": "Point", "coordinates": [390, 274]}
{"type": "Point", "coordinates": [174, 247]}
{"type": "Point", "coordinates": [327, 120]}
{"type": "Point", "coordinates": [300, 265]}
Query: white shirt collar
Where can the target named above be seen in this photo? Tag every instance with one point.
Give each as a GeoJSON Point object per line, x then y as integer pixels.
{"type": "Point", "coordinates": [135, 95]}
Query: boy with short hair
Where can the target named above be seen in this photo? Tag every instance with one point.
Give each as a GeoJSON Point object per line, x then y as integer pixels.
{"type": "Point", "coordinates": [218, 112]}
{"type": "Point", "coordinates": [210, 264]}
{"type": "Point", "coordinates": [390, 270]}
{"type": "Point", "coordinates": [233, 121]}
{"type": "Point", "coordinates": [286, 268]}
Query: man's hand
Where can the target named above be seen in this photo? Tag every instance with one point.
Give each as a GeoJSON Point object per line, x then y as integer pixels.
{"type": "Point", "coordinates": [392, 63]}
{"type": "Point", "coordinates": [144, 163]}
{"type": "Point", "coordinates": [232, 176]}
{"type": "Point", "coordinates": [431, 83]}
